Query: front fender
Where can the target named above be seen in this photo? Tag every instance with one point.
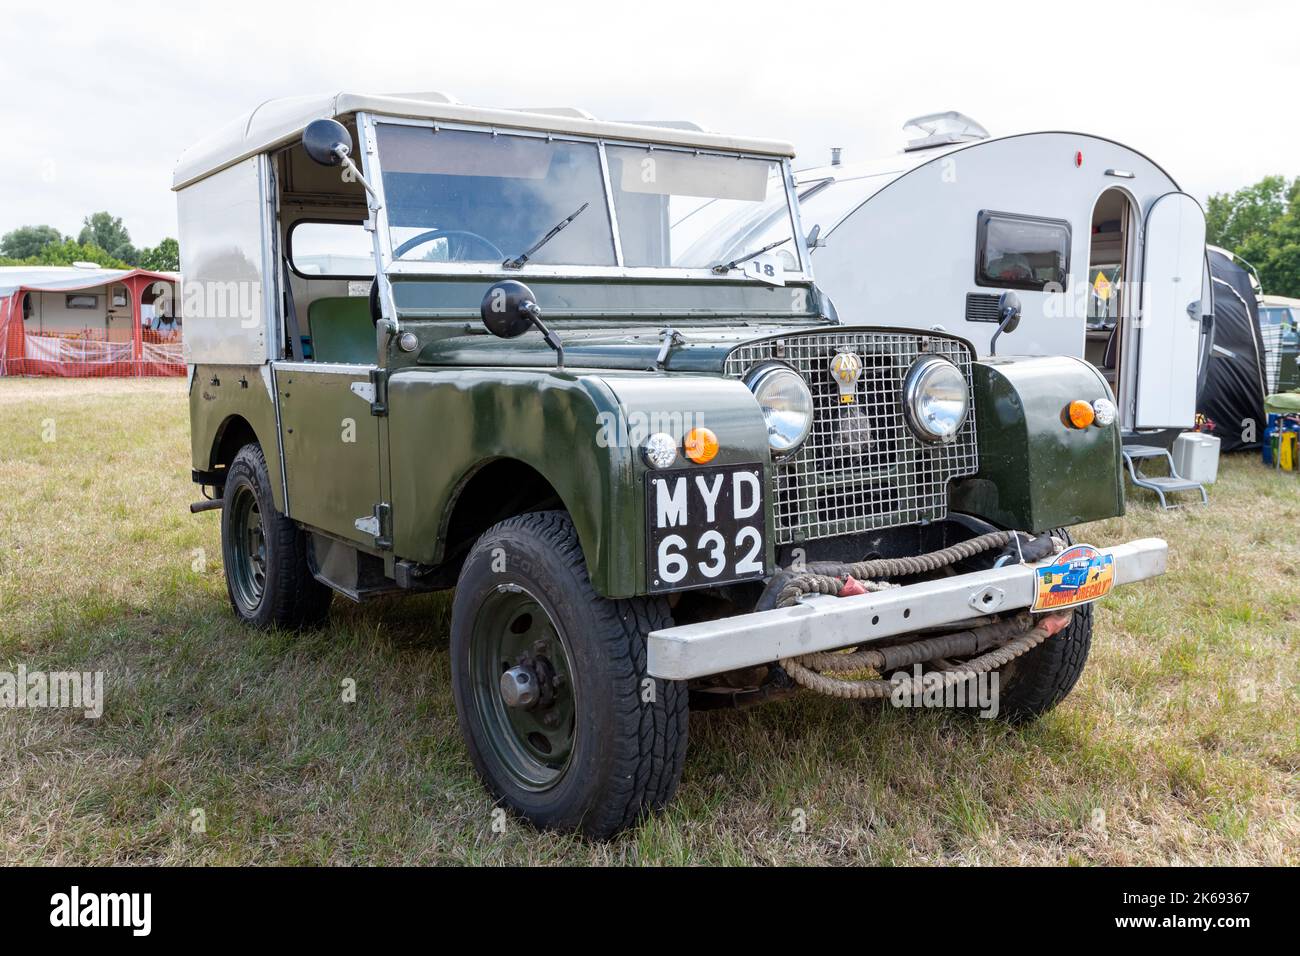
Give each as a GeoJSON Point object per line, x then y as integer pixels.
{"type": "Point", "coordinates": [581, 431]}
{"type": "Point", "coordinates": [1036, 472]}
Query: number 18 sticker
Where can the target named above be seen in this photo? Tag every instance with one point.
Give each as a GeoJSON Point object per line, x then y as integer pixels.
{"type": "Point", "coordinates": [766, 268]}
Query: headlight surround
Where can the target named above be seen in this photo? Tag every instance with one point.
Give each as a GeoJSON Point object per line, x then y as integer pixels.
{"type": "Point", "coordinates": [936, 399]}
{"type": "Point", "coordinates": [786, 403]}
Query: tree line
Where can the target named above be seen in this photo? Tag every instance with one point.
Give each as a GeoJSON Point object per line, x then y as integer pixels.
{"type": "Point", "coordinates": [103, 240]}
{"type": "Point", "coordinates": [1261, 224]}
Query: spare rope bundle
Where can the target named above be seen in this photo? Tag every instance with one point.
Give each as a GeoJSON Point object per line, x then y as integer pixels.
{"type": "Point", "coordinates": [805, 670]}
{"type": "Point", "coordinates": [996, 644]}
{"type": "Point", "coordinates": [828, 577]}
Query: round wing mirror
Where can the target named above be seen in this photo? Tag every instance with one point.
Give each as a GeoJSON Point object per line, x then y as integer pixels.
{"type": "Point", "coordinates": [509, 308]}
{"type": "Point", "coordinates": [322, 139]}
{"type": "Point", "coordinates": [1008, 311]}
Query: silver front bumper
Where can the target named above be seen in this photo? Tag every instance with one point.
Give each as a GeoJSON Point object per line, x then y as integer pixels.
{"type": "Point", "coordinates": [822, 623]}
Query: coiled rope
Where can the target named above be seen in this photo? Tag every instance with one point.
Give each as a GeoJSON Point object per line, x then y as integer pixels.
{"type": "Point", "coordinates": [996, 644]}
{"type": "Point", "coordinates": [826, 577]}
{"type": "Point", "coordinates": [1026, 635]}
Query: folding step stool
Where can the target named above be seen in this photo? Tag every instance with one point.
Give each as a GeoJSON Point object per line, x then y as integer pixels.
{"type": "Point", "coordinates": [1160, 484]}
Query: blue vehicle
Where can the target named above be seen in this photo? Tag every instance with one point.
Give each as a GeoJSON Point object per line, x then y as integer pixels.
{"type": "Point", "coordinates": [1076, 575]}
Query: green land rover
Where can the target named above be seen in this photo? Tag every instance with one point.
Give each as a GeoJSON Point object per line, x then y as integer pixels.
{"type": "Point", "coordinates": [579, 371]}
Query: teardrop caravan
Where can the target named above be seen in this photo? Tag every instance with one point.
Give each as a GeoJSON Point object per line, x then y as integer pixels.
{"type": "Point", "coordinates": [1104, 251]}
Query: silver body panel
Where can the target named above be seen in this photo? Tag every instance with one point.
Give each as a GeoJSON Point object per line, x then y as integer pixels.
{"type": "Point", "coordinates": [823, 623]}
{"type": "Point", "coordinates": [226, 260]}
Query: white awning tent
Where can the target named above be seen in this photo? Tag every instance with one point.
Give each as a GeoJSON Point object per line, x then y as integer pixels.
{"type": "Point", "coordinates": [63, 278]}
{"type": "Point", "coordinates": [85, 349]}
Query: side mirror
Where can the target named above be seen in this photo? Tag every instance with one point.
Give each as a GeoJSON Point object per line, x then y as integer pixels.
{"type": "Point", "coordinates": [327, 141]}
{"type": "Point", "coordinates": [1008, 318]}
{"type": "Point", "coordinates": [509, 309]}
{"type": "Point", "coordinates": [1008, 311]}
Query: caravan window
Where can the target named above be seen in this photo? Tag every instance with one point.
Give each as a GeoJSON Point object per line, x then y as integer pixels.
{"type": "Point", "coordinates": [1021, 252]}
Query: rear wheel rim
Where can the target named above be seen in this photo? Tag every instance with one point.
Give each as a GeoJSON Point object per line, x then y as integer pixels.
{"type": "Point", "coordinates": [533, 745]}
{"type": "Point", "coordinates": [247, 572]}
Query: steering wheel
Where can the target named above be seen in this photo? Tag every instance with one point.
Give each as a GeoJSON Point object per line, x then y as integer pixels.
{"type": "Point", "coordinates": [450, 235]}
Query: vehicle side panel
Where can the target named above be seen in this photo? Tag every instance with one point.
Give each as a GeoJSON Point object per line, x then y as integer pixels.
{"type": "Point", "coordinates": [220, 394]}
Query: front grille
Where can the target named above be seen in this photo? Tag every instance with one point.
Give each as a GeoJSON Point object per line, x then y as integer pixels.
{"type": "Point", "coordinates": [860, 468]}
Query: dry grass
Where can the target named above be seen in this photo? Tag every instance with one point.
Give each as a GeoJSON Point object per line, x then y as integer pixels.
{"type": "Point", "coordinates": [1179, 745]}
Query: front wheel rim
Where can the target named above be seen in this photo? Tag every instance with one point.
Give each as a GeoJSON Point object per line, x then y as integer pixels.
{"type": "Point", "coordinates": [248, 562]}
{"type": "Point", "coordinates": [533, 744]}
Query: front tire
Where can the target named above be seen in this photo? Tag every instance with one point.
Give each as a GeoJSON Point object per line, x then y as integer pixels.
{"type": "Point", "coordinates": [558, 714]}
{"type": "Point", "coordinates": [265, 554]}
{"type": "Point", "coordinates": [1036, 682]}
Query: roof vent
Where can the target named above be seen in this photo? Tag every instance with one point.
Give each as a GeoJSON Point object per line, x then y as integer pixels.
{"type": "Point", "coordinates": [837, 155]}
{"type": "Point", "coordinates": [943, 129]}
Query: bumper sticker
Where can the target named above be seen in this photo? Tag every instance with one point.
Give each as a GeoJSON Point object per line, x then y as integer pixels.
{"type": "Point", "coordinates": [1078, 574]}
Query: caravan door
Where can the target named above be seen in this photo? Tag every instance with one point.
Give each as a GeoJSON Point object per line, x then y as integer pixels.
{"type": "Point", "coordinates": [1173, 266]}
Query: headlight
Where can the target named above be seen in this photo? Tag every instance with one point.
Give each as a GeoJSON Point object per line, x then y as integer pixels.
{"type": "Point", "coordinates": [935, 399]}
{"type": "Point", "coordinates": [786, 403]}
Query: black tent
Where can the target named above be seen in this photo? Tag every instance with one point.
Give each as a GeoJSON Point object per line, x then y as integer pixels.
{"type": "Point", "coordinates": [1232, 394]}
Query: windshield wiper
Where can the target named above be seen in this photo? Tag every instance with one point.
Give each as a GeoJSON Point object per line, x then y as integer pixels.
{"type": "Point", "coordinates": [518, 261]}
{"type": "Point", "coordinates": [722, 268]}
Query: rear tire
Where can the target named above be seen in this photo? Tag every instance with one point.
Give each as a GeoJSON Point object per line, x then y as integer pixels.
{"type": "Point", "coordinates": [607, 742]}
{"type": "Point", "coordinates": [265, 554]}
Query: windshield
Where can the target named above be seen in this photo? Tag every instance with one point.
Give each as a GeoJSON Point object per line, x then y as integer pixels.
{"type": "Point", "coordinates": [458, 196]}
{"type": "Point", "coordinates": [464, 196]}
{"type": "Point", "coordinates": [692, 211]}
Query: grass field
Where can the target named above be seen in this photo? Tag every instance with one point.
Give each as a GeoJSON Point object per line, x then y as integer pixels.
{"type": "Point", "coordinates": [1180, 744]}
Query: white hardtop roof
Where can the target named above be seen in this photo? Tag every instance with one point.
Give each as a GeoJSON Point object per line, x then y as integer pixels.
{"type": "Point", "coordinates": [854, 183]}
{"type": "Point", "coordinates": [278, 122]}
{"type": "Point", "coordinates": [60, 278]}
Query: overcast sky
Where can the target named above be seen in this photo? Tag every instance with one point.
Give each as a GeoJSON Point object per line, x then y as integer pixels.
{"type": "Point", "coordinates": [99, 99]}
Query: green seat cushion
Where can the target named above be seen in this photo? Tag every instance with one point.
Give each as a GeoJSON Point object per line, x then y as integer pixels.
{"type": "Point", "coordinates": [341, 330]}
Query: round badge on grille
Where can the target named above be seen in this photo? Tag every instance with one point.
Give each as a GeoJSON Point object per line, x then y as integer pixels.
{"type": "Point", "coordinates": [846, 369]}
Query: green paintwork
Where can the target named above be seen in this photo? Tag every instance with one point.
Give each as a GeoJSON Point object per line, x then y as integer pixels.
{"type": "Point", "coordinates": [219, 393]}
{"type": "Point", "coordinates": [331, 450]}
{"type": "Point", "coordinates": [571, 427]}
{"type": "Point", "coordinates": [533, 744]}
{"type": "Point", "coordinates": [633, 302]}
{"type": "Point", "coordinates": [464, 399]}
{"type": "Point", "coordinates": [1036, 472]}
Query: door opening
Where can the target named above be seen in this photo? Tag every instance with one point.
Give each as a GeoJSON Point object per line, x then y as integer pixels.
{"type": "Point", "coordinates": [1109, 269]}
